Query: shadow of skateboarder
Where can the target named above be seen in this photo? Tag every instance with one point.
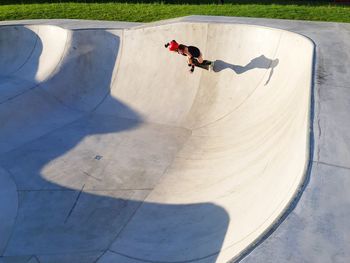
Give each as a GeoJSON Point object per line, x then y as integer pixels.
{"type": "Point", "coordinates": [261, 62]}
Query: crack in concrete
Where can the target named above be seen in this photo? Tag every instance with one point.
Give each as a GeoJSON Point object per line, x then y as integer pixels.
{"type": "Point", "coordinates": [96, 178]}
{"type": "Point", "coordinates": [74, 205]}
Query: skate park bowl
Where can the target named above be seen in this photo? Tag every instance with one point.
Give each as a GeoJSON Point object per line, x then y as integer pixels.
{"type": "Point", "coordinates": [112, 152]}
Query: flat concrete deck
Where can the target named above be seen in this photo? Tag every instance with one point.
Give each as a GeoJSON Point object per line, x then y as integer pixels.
{"type": "Point", "coordinates": [112, 152]}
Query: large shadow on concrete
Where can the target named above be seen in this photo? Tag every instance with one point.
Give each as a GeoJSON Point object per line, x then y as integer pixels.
{"type": "Point", "coordinates": [14, 62]}
{"type": "Point", "coordinates": [80, 185]}
{"type": "Point", "coordinates": [260, 62]}
{"type": "Point", "coordinates": [10, 63]}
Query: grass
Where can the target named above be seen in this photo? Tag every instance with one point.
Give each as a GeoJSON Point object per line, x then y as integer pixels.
{"type": "Point", "coordinates": [147, 12]}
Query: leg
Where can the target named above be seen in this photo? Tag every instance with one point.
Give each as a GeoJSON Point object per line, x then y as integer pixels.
{"type": "Point", "coordinates": [200, 58]}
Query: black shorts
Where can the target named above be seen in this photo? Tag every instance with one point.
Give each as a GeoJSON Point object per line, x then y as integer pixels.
{"type": "Point", "coordinates": [194, 51]}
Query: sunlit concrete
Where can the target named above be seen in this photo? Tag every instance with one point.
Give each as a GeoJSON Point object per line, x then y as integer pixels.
{"type": "Point", "coordinates": [112, 152]}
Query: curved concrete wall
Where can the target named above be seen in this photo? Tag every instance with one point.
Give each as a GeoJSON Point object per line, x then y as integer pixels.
{"type": "Point", "coordinates": [249, 125]}
{"type": "Point", "coordinates": [209, 161]}
{"type": "Point", "coordinates": [64, 76]}
{"type": "Point", "coordinates": [31, 52]}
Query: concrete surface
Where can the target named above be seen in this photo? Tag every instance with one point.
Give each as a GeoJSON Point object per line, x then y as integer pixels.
{"type": "Point", "coordinates": [107, 158]}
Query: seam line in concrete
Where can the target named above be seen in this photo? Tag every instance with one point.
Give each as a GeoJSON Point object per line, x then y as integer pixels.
{"type": "Point", "coordinates": [85, 190]}
{"type": "Point", "coordinates": [56, 254]}
{"type": "Point", "coordinates": [31, 53]}
{"type": "Point", "coordinates": [153, 261]}
{"type": "Point", "coordinates": [44, 135]}
{"type": "Point", "coordinates": [74, 205]}
{"type": "Point", "coordinates": [142, 202]}
{"type": "Point", "coordinates": [331, 85]}
{"type": "Point", "coordinates": [15, 219]}
{"type": "Point", "coordinates": [34, 257]}
{"type": "Point", "coordinates": [332, 165]}
{"type": "Point", "coordinates": [19, 94]}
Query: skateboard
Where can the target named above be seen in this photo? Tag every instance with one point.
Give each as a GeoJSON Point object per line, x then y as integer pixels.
{"type": "Point", "coordinates": [207, 64]}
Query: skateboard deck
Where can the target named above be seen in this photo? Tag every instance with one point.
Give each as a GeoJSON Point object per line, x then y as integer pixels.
{"type": "Point", "coordinates": [205, 65]}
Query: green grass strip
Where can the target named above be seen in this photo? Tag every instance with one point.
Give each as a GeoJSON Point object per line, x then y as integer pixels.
{"type": "Point", "coordinates": [154, 12]}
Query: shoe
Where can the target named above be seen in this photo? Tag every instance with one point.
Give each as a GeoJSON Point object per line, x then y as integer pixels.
{"type": "Point", "coordinates": [211, 66]}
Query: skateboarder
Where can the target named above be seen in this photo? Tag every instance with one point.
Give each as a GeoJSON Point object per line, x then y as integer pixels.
{"type": "Point", "coordinates": [192, 53]}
